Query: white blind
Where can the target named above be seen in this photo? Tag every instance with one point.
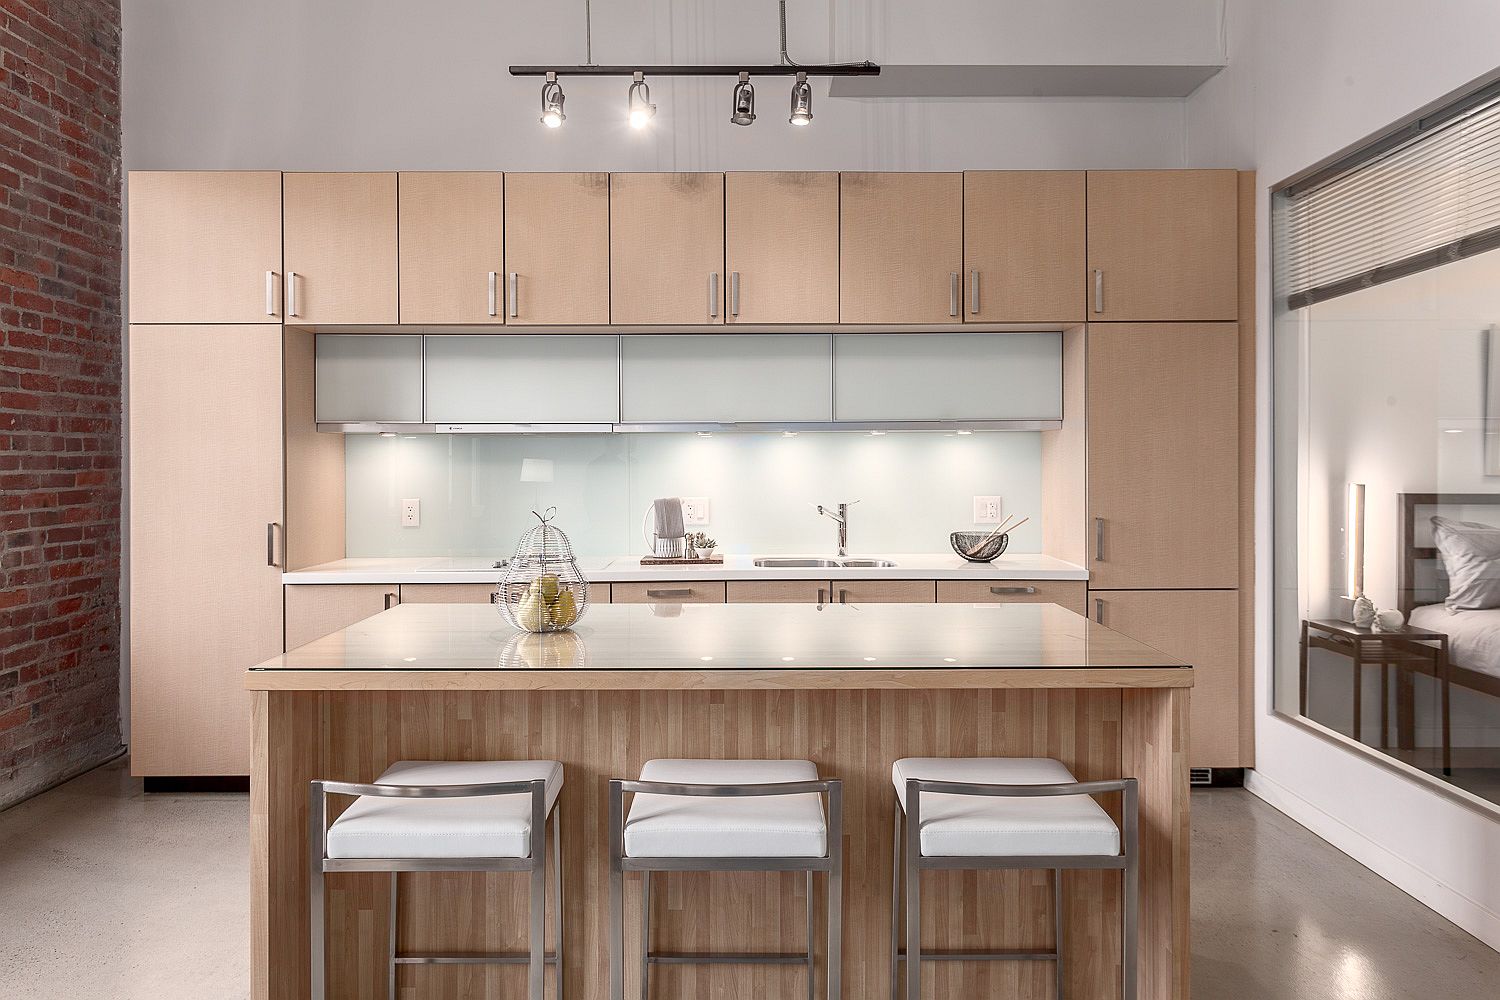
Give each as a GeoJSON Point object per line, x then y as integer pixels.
{"type": "Point", "coordinates": [1420, 198]}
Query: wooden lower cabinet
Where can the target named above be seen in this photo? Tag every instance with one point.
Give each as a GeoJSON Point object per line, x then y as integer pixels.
{"type": "Point", "coordinates": [314, 610]}
{"type": "Point", "coordinates": [447, 593]}
{"type": "Point", "coordinates": [777, 591]}
{"type": "Point", "coordinates": [1067, 593]}
{"type": "Point", "coordinates": [884, 591]}
{"type": "Point", "coordinates": [696, 592]}
{"type": "Point", "coordinates": [1201, 627]}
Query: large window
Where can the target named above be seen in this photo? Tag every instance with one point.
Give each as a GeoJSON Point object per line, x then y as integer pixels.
{"type": "Point", "coordinates": [1387, 398]}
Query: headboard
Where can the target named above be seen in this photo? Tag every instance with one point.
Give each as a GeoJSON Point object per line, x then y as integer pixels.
{"type": "Point", "coordinates": [1420, 579]}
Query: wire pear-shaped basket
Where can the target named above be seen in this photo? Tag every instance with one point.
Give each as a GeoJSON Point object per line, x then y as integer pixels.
{"type": "Point", "coordinates": [543, 590]}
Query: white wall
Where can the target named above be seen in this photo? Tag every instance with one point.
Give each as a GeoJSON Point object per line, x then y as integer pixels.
{"type": "Point", "coordinates": [1305, 80]}
{"type": "Point", "coordinates": [392, 84]}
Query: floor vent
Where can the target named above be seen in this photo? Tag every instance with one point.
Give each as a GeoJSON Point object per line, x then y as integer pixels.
{"type": "Point", "coordinates": [1200, 776]}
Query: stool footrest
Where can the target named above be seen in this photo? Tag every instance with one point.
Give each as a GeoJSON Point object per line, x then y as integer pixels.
{"type": "Point", "coordinates": [470, 958]}
{"type": "Point", "coordinates": [728, 958]}
{"type": "Point", "coordinates": [983, 956]}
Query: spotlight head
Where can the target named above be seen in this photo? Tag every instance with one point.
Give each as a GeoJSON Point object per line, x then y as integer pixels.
{"type": "Point", "coordinates": [552, 102]}
{"type": "Point", "coordinates": [801, 101]}
{"type": "Point", "coordinates": [638, 101]}
{"type": "Point", "coordinates": [744, 102]}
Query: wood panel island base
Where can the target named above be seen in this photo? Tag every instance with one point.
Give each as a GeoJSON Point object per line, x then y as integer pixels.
{"type": "Point", "coordinates": [850, 688]}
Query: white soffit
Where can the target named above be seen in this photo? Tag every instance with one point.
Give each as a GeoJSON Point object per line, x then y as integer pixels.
{"type": "Point", "coordinates": [952, 81]}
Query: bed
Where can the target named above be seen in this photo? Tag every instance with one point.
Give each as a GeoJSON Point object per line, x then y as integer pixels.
{"type": "Point", "coordinates": [1421, 585]}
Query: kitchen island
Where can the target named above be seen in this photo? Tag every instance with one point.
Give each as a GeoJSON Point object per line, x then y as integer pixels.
{"type": "Point", "coordinates": [850, 688]}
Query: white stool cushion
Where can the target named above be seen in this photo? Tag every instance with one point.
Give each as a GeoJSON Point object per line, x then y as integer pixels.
{"type": "Point", "coordinates": [996, 826]}
{"type": "Point", "coordinates": [766, 826]}
{"type": "Point", "coordinates": [485, 826]}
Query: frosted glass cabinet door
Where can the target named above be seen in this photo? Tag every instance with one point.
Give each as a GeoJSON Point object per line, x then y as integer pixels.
{"type": "Point", "coordinates": [523, 380]}
{"type": "Point", "coordinates": [368, 377]}
{"type": "Point", "coordinates": [948, 376]}
{"type": "Point", "coordinates": [723, 378]}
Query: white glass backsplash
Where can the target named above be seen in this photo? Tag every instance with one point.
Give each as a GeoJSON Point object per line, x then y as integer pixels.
{"type": "Point", "coordinates": [913, 489]}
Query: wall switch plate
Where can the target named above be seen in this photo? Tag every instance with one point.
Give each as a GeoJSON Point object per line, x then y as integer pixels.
{"type": "Point", "coordinates": [411, 513]}
{"type": "Point", "coordinates": [695, 510]}
{"type": "Point", "coordinates": [987, 510]}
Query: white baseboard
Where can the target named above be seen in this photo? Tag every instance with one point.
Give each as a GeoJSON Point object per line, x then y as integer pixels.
{"type": "Point", "coordinates": [1469, 914]}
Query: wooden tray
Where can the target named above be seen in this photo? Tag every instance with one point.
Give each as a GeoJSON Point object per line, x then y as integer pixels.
{"type": "Point", "coordinates": [674, 561]}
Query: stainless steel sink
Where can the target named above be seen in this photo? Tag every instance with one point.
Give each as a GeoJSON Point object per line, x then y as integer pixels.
{"type": "Point", "coordinates": [814, 562]}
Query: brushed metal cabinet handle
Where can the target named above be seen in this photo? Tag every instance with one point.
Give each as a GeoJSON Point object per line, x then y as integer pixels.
{"type": "Point", "coordinates": [1013, 590]}
{"type": "Point", "coordinates": [1099, 610]}
{"type": "Point", "coordinates": [391, 601]}
{"type": "Point", "coordinates": [493, 307]}
{"type": "Point", "coordinates": [1098, 290]}
{"type": "Point", "coordinates": [514, 282]}
{"type": "Point", "coordinates": [1098, 539]}
{"type": "Point", "coordinates": [734, 293]}
{"type": "Point", "coordinates": [974, 293]}
{"type": "Point", "coordinates": [686, 592]}
{"type": "Point", "coordinates": [953, 293]}
{"type": "Point", "coordinates": [291, 293]}
{"type": "Point", "coordinates": [822, 597]}
{"type": "Point", "coordinates": [271, 545]}
{"type": "Point", "coordinates": [270, 293]}
{"type": "Point", "coordinates": [843, 595]}
{"type": "Point", "coordinates": [713, 294]}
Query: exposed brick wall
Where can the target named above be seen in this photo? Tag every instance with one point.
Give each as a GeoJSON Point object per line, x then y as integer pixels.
{"type": "Point", "coordinates": [60, 414]}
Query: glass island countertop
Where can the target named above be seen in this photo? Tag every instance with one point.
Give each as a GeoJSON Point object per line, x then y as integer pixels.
{"type": "Point", "coordinates": [739, 644]}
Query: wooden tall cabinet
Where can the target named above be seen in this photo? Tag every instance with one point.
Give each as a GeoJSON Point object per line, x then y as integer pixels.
{"type": "Point", "coordinates": [1163, 458]}
{"type": "Point", "coordinates": [557, 249]}
{"type": "Point", "coordinates": [205, 246]}
{"type": "Point", "coordinates": [1025, 258]}
{"type": "Point", "coordinates": [781, 247]}
{"type": "Point", "coordinates": [340, 235]}
{"type": "Point", "coordinates": [666, 239]}
{"type": "Point", "coordinates": [206, 540]}
{"type": "Point", "coordinates": [450, 230]}
{"type": "Point", "coordinates": [1163, 245]}
{"type": "Point", "coordinates": [902, 254]}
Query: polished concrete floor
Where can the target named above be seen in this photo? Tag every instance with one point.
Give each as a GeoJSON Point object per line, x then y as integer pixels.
{"type": "Point", "coordinates": [108, 893]}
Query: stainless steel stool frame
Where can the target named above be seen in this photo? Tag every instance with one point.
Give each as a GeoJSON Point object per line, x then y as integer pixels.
{"type": "Point", "coordinates": [619, 864]}
{"type": "Point", "coordinates": [908, 844]}
{"type": "Point", "coordinates": [536, 957]}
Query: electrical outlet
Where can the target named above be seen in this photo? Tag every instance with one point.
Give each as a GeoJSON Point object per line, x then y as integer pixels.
{"type": "Point", "coordinates": [411, 513]}
{"type": "Point", "coordinates": [987, 510]}
{"type": "Point", "coordinates": [695, 510]}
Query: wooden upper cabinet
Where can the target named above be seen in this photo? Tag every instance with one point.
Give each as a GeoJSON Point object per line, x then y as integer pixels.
{"type": "Point", "coordinates": [901, 238]}
{"type": "Point", "coordinates": [205, 246]}
{"type": "Point", "coordinates": [557, 249]}
{"type": "Point", "coordinates": [1163, 455]}
{"type": "Point", "coordinates": [1163, 245]}
{"type": "Point", "coordinates": [340, 248]}
{"type": "Point", "coordinates": [781, 247]}
{"type": "Point", "coordinates": [452, 252]}
{"type": "Point", "coordinates": [1025, 246]}
{"type": "Point", "coordinates": [666, 248]}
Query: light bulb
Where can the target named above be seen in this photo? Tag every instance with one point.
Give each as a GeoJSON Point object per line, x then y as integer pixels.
{"type": "Point", "coordinates": [552, 103]}
{"type": "Point", "coordinates": [638, 101]}
{"type": "Point", "coordinates": [801, 101]}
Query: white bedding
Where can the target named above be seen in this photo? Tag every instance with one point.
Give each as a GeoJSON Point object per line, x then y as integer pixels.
{"type": "Point", "coordinates": [1473, 636]}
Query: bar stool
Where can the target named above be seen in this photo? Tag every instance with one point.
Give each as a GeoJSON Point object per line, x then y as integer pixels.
{"type": "Point", "coordinates": [724, 815]}
{"type": "Point", "coordinates": [1005, 812]}
{"type": "Point", "coordinates": [444, 816]}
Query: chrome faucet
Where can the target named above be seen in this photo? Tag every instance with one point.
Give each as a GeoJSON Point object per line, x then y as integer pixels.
{"type": "Point", "coordinates": [842, 517]}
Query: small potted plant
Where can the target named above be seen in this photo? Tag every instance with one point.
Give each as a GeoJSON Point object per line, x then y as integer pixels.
{"type": "Point", "coordinates": [701, 545]}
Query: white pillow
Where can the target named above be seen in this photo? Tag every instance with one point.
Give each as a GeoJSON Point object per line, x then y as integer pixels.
{"type": "Point", "coordinates": [1471, 558]}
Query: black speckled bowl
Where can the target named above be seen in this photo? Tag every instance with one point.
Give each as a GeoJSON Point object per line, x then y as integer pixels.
{"type": "Point", "coordinates": [963, 541]}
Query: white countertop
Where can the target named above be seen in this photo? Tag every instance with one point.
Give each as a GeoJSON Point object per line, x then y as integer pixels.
{"type": "Point", "coordinates": [623, 569]}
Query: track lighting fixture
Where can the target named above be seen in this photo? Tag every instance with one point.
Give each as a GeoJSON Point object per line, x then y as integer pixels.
{"type": "Point", "coordinates": [744, 102]}
{"type": "Point", "coordinates": [552, 102]}
{"type": "Point", "coordinates": [801, 101]}
{"type": "Point", "coordinates": [639, 101]}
